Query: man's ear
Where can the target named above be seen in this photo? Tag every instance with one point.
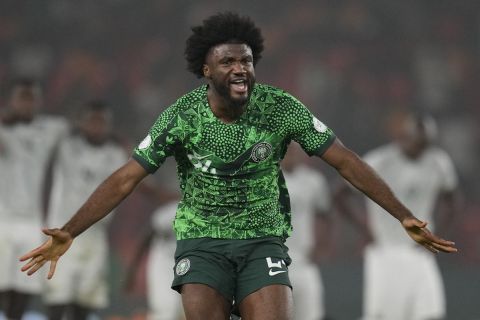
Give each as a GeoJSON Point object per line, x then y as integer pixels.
{"type": "Point", "coordinates": [206, 71]}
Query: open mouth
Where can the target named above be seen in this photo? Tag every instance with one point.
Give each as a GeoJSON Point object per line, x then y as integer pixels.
{"type": "Point", "coordinates": [239, 85]}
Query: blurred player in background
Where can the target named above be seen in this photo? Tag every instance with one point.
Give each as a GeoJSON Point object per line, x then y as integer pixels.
{"type": "Point", "coordinates": [159, 241]}
{"type": "Point", "coordinates": [228, 137]}
{"type": "Point", "coordinates": [402, 281]}
{"type": "Point", "coordinates": [28, 141]}
{"type": "Point", "coordinates": [82, 161]}
{"type": "Point", "coordinates": [310, 205]}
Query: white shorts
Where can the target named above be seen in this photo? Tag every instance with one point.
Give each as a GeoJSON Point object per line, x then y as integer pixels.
{"type": "Point", "coordinates": [163, 302]}
{"type": "Point", "coordinates": [308, 296]}
{"type": "Point", "coordinates": [81, 274]}
{"type": "Point", "coordinates": [15, 240]}
{"type": "Point", "coordinates": [402, 283]}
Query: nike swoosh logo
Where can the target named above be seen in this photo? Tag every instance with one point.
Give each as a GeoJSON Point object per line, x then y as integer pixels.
{"type": "Point", "coordinates": [274, 273]}
{"type": "Point", "coordinates": [199, 157]}
{"type": "Point", "coordinates": [202, 157]}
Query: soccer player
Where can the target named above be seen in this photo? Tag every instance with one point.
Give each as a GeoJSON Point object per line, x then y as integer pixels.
{"type": "Point", "coordinates": [83, 160]}
{"type": "Point", "coordinates": [310, 206]}
{"type": "Point", "coordinates": [228, 137]}
{"type": "Point", "coordinates": [27, 143]}
{"type": "Point", "coordinates": [163, 303]}
{"type": "Point", "coordinates": [402, 281]}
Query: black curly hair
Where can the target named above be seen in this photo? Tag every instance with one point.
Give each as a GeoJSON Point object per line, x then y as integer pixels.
{"type": "Point", "coordinates": [226, 27]}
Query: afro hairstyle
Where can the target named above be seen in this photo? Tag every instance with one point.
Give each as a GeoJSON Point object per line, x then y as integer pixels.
{"type": "Point", "coordinates": [221, 28]}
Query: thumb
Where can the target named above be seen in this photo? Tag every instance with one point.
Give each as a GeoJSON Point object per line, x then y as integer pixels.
{"type": "Point", "coordinates": [50, 232]}
{"type": "Point", "coordinates": [420, 224]}
{"type": "Point", "coordinates": [414, 222]}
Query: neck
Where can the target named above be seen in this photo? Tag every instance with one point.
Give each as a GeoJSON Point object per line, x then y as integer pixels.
{"type": "Point", "coordinates": [223, 109]}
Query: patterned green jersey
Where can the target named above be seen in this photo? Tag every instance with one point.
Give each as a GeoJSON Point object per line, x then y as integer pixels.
{"type": "Point", "coordinates": [231, 183]}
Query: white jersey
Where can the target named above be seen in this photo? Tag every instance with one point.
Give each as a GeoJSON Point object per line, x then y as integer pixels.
{"type": "Point", "coordinates": [4, 172]}
{"type": "Point", "coordinates": [164, 303]}
{"type": "Point", "coordinates": [416, 183]}
{"type": "Point", "coordinates": [162, 224]}
{"type": "Point", "coordinates": [79, 167]}
{"type": "Point", "coordinates": [309, 193]}
{"type": "Point", "coordinates": [27, 150]}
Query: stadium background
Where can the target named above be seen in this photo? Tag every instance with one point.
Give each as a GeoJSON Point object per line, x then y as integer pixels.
{"type": "Point", "coordinates": [354, 63]}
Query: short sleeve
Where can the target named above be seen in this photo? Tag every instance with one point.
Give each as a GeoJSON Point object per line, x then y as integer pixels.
{"type": "Point", "coordinates": [448, 173]}
{"type": "Point", "coordinates": [303, 127]}
{"type": "Point", "coordinates": [160, 141]}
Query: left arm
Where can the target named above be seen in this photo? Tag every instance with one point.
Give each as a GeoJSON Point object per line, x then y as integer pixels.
{"type": "Point", "coordinates": [365, 179]}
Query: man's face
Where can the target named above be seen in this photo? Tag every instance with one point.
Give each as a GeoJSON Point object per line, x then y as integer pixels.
{"type": "Point", "coordinates": [413, 139]}
{"type": "Point", "coordinates": [24, 100]}
{"type": "Point", "coordinates": [229, 68]}
{"type": "Point", "coordinates": [96, 126]}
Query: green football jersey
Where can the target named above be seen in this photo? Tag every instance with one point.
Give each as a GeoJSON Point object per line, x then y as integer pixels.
{"type": "Point", "coordinates": [230, 178]}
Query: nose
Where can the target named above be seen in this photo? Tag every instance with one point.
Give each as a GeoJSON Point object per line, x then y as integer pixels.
{"type": "Point", "coordinates": [238, 67]}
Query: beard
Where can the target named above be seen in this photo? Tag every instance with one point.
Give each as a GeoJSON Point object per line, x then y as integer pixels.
{"type": "Point", "coordinates": [236, 104]}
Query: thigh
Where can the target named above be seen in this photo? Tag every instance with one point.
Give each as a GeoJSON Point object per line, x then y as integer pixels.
{"type": "Point", "coordinates": [62, 288]}
{"type": "Point", "coordinates": [203, 302]}
{"type": "Point", "coordinates": [273, 302]}
{"type": "Point", "coordinates": [92, 290]}
{"type": "Point", "coordinates": [23, 238]}
{"type": "Point", "coordinates": [209, 268]}
{"type": "Point", "coordinates": [428, 295]}
{"type": "Point", "coordinates": [259, 273]}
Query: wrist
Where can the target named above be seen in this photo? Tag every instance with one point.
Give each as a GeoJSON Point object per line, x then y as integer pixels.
{"type": "Point", "coordinates": [68, 230]}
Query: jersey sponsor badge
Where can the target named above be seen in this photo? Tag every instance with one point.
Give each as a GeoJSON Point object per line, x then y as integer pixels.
{"type": "Point", "coordinates": [145, 143]}
{"type": "Point", "coordinates": [261, 151]}
{"type": "Point", "coordinates": [319, 125]}
{"type": "Point", "coordinates": [182, 267]}
{"type": "Point", "coordinates": [275, 267]}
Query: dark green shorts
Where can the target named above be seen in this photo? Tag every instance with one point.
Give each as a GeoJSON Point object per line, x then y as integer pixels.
{"type": "Point", "coordinates": [235, 268]}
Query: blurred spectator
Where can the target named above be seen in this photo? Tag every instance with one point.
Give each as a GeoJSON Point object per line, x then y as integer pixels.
{"type": "Point", "coordinates": [310, 206]}
{"type": "Point", "coordinates": [402, 280]}
{"type": "Point", "coordinates": [159, 241]}
{"type": "Point", "coordinates": [28, 141]}
{"type": "Point", "coordinates": [83, 160]}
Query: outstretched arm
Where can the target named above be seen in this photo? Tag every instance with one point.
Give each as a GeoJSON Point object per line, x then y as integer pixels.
{"type": "Point", "coordinates": [365, 179]}
{"type": "Point", "coordinates": [102, 201]}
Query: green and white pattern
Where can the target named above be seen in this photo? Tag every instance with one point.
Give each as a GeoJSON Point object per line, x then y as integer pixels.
{"type": "Point", "coordinates": [231, 183]}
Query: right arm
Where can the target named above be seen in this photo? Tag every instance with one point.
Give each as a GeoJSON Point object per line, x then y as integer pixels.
{"type": "Point", "coordinates": [103, 200]}
{"type": "Point", "coordinates": [106, 197]}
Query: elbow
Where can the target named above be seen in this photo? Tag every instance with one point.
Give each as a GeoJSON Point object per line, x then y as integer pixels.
{"type": "Point", "coordinates": [347, 166]}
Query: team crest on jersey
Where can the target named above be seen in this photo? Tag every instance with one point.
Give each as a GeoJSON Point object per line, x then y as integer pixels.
{"type": "Point", "coordinates": [261, 151]}
{"type": "Point", "coordinates": [319, 125]}
{"type": "Point", "coordinates": [145, 143]}
{"type": "Point", "coordinates": [182, 267]}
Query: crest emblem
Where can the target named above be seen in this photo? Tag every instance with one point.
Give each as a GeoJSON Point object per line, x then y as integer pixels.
{"type": "Point", "coordinates": [145, 143]}
{"type": "Point", "coordinates": [319, 125]}
{"type": "Point", "coordinates": [261, 151]}
{"type": "Point", "coordinates": [182, 267]}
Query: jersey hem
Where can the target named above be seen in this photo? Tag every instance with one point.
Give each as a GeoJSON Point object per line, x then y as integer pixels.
{"type": "Point", "coordinates": [321, 150]}
{"type": "Point", "coordinates": [186, 236]}
{"type": "Point", "coordinates": [144, 163]}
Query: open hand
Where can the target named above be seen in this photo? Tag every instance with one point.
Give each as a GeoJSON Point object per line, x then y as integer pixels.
{"type": "Point", "coordinates": [417, 230]}
{"type": "Point", "coordinates": [51, 250]}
